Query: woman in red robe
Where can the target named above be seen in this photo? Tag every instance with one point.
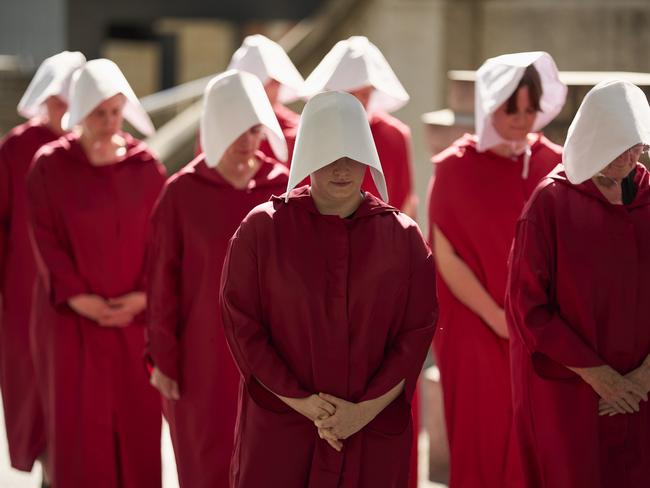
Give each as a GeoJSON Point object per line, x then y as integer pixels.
{"type": "Point", "coordinates": [90, 197]}
{"type": "Point", "coordinates": [199, 211]}
{"type": "Point", "coordinates": [480, 186]}
{"type": "Point", "coordinates": [578, 292]}
{"type": "Point", "coordinates": [44, 104]}
{"type": "Point", "coordinates": [356, 66]}
{"type": "Point", "coordinates": [328, 301]}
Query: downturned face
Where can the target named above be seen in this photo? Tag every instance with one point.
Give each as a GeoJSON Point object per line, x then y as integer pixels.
{"type": "Point", "coordinates": [340, 180]}
{"type": "Point", "coordinates": [106, 119]}
{"type": "Point", "coordinates": [624, 164]}
{"type": "Point", "coordinates": [515, 126]}
{"type": "Point", "coordinates": [244, 147]}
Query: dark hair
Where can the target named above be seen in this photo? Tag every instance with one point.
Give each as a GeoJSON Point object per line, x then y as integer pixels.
{"type": "Point", "coordinates": [532, 80]}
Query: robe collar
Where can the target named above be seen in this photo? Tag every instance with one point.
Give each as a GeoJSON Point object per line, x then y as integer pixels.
{"type": "Point", "coordinates": [135, 150]}
{"type": "Point", "coordinates": [469, 142]}
{"type": "Point", "coordinates": [40, 123]}
{"type": "Point", "coordinates": [267, 174]}
{"type": "Point", "coordinates": [301, 198]}
{"type": "Point", "coordinates": [588, 187]}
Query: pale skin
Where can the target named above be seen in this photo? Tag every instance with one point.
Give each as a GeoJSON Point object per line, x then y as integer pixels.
{"type": "Point", "coordinates": [237, 166]}
{"type": "Point", "coordinates": [619, 394]}
{"type": "Point", "coordinates": [460, 279]}
{"type": "Point", "coordinates": [100, 139]}
{"type": "Point", "coordinates": [363, 94]}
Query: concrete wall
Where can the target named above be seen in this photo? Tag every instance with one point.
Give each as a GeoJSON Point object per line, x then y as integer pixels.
{"type": "Point", "coordinates": [32, 29]}
{"type": "Point", "coordinates": [423, 39]}
{"type": "Point", "coordinates": [580, 34]}
{"type": "Point", "coordinates": [90, 20]}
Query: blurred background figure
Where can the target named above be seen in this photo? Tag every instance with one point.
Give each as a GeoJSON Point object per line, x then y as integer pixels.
{"type": "Point", "coordinates": [282, 82]}
{"type": "Point", "coordinates": [356, 66]}
{"type": "Point", "coordinates": [43, 104]}
{"type": "Point", "coordinates": [200, 209]}
{"type": "Point", "coordinates": [90, 196]}
{"type": "Point", "coordinates": [577, 303]}
{"type": "Point", "coordinates": [481, 184]}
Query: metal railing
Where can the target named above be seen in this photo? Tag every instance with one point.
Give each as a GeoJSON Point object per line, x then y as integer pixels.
{"type": "Point", "coordinates": [300, 42]}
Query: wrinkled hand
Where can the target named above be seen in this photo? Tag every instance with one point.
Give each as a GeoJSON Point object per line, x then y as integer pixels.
{"type": "Point", "coordinates": [497, 322]}
{"type": "Point", "coordinates": [640, 376]}
{"type": "Point", "coordinates": [313, 407]}
{"type": "Point", "coordinates": [623, 394]}
{"type": "Point", "coordinates": [348, 419]}
{"type": "Point", "coordinates": [165, 385]}
{"type": "Point", "coordinates": [97, 309]}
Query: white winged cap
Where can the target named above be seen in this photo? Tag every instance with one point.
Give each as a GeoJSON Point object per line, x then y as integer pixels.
{"type": "Point", "coordinates": [613, 117]}
{"type": "Point", "coordinates": [99, 80]}
{"type": "Point", "coordinates": [356, 63]}
{"type": "Point", "coordinates": [334, 125]}
{"type": "Point", "coordinates": [266, 59]}
{"type": "Point", "coordinates": [52, 78]}
{"type": "Point", "coordinates": [497, 80]}
{"type": "Point", "coordinates": [233, 102]}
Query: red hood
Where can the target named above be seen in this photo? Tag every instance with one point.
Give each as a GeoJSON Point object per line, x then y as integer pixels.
{"type": "Point", "coordinates": [301, 197]}
{"type": "Point", "coordinates": [270, 172]}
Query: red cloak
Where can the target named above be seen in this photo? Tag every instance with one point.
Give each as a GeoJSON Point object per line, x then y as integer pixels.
{"type": "Point", "coordinates": [315, 303]}
{"type": "Point", "coordinates": [393, 141]}
{"type": "Point", "coordinates": [578, 296]}
{"type": "Point", "coordinates": [475, 200]}
{"type": "Point", "coordinates": [90, 229]}
{"type": "Point", "coordinates": [22, 407]}
{"type": "Point", "coordinates": [196, 216]}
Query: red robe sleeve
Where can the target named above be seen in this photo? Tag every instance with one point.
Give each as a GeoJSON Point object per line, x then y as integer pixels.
{"type": "Point", "coordinates": [248, 337]}
{"type": "Point", "coordinates": [400, 174]}
{"type": "Point", "coordinates": [408, 349]}
{"type": "Point", "coordinates": [49, 241]}
{"type": "Point", "coordinates": [5, 212]}
{"type": "Point", "coordinates": [550, 340]}
{"type": "Point", "coordinates": [164, 262]}
{"type": "Point", "coordinates": [393, 141]}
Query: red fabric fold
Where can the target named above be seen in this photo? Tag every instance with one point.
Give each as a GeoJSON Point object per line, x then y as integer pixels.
{"type": "Point", "coordinates": [577, 296]}
{"type": "Point", "coordinates": [195, 218]}
{"type": "Point", "coordinates": [315, 303]}
{"type": "Point", "coordinates": [475, 199]}
{"type": "Point", "coordinates": [22, 407]}
{"type": "Point", "coordinates": [90, 225]}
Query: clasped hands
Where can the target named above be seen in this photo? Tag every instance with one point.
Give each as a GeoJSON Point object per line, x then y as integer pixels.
{"type": "Point", "coordinates": [335, 419]}
{"type": "Point", "coordinates": [619, 394]}
{"type": "Point", "coordinates": [111, 312]}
